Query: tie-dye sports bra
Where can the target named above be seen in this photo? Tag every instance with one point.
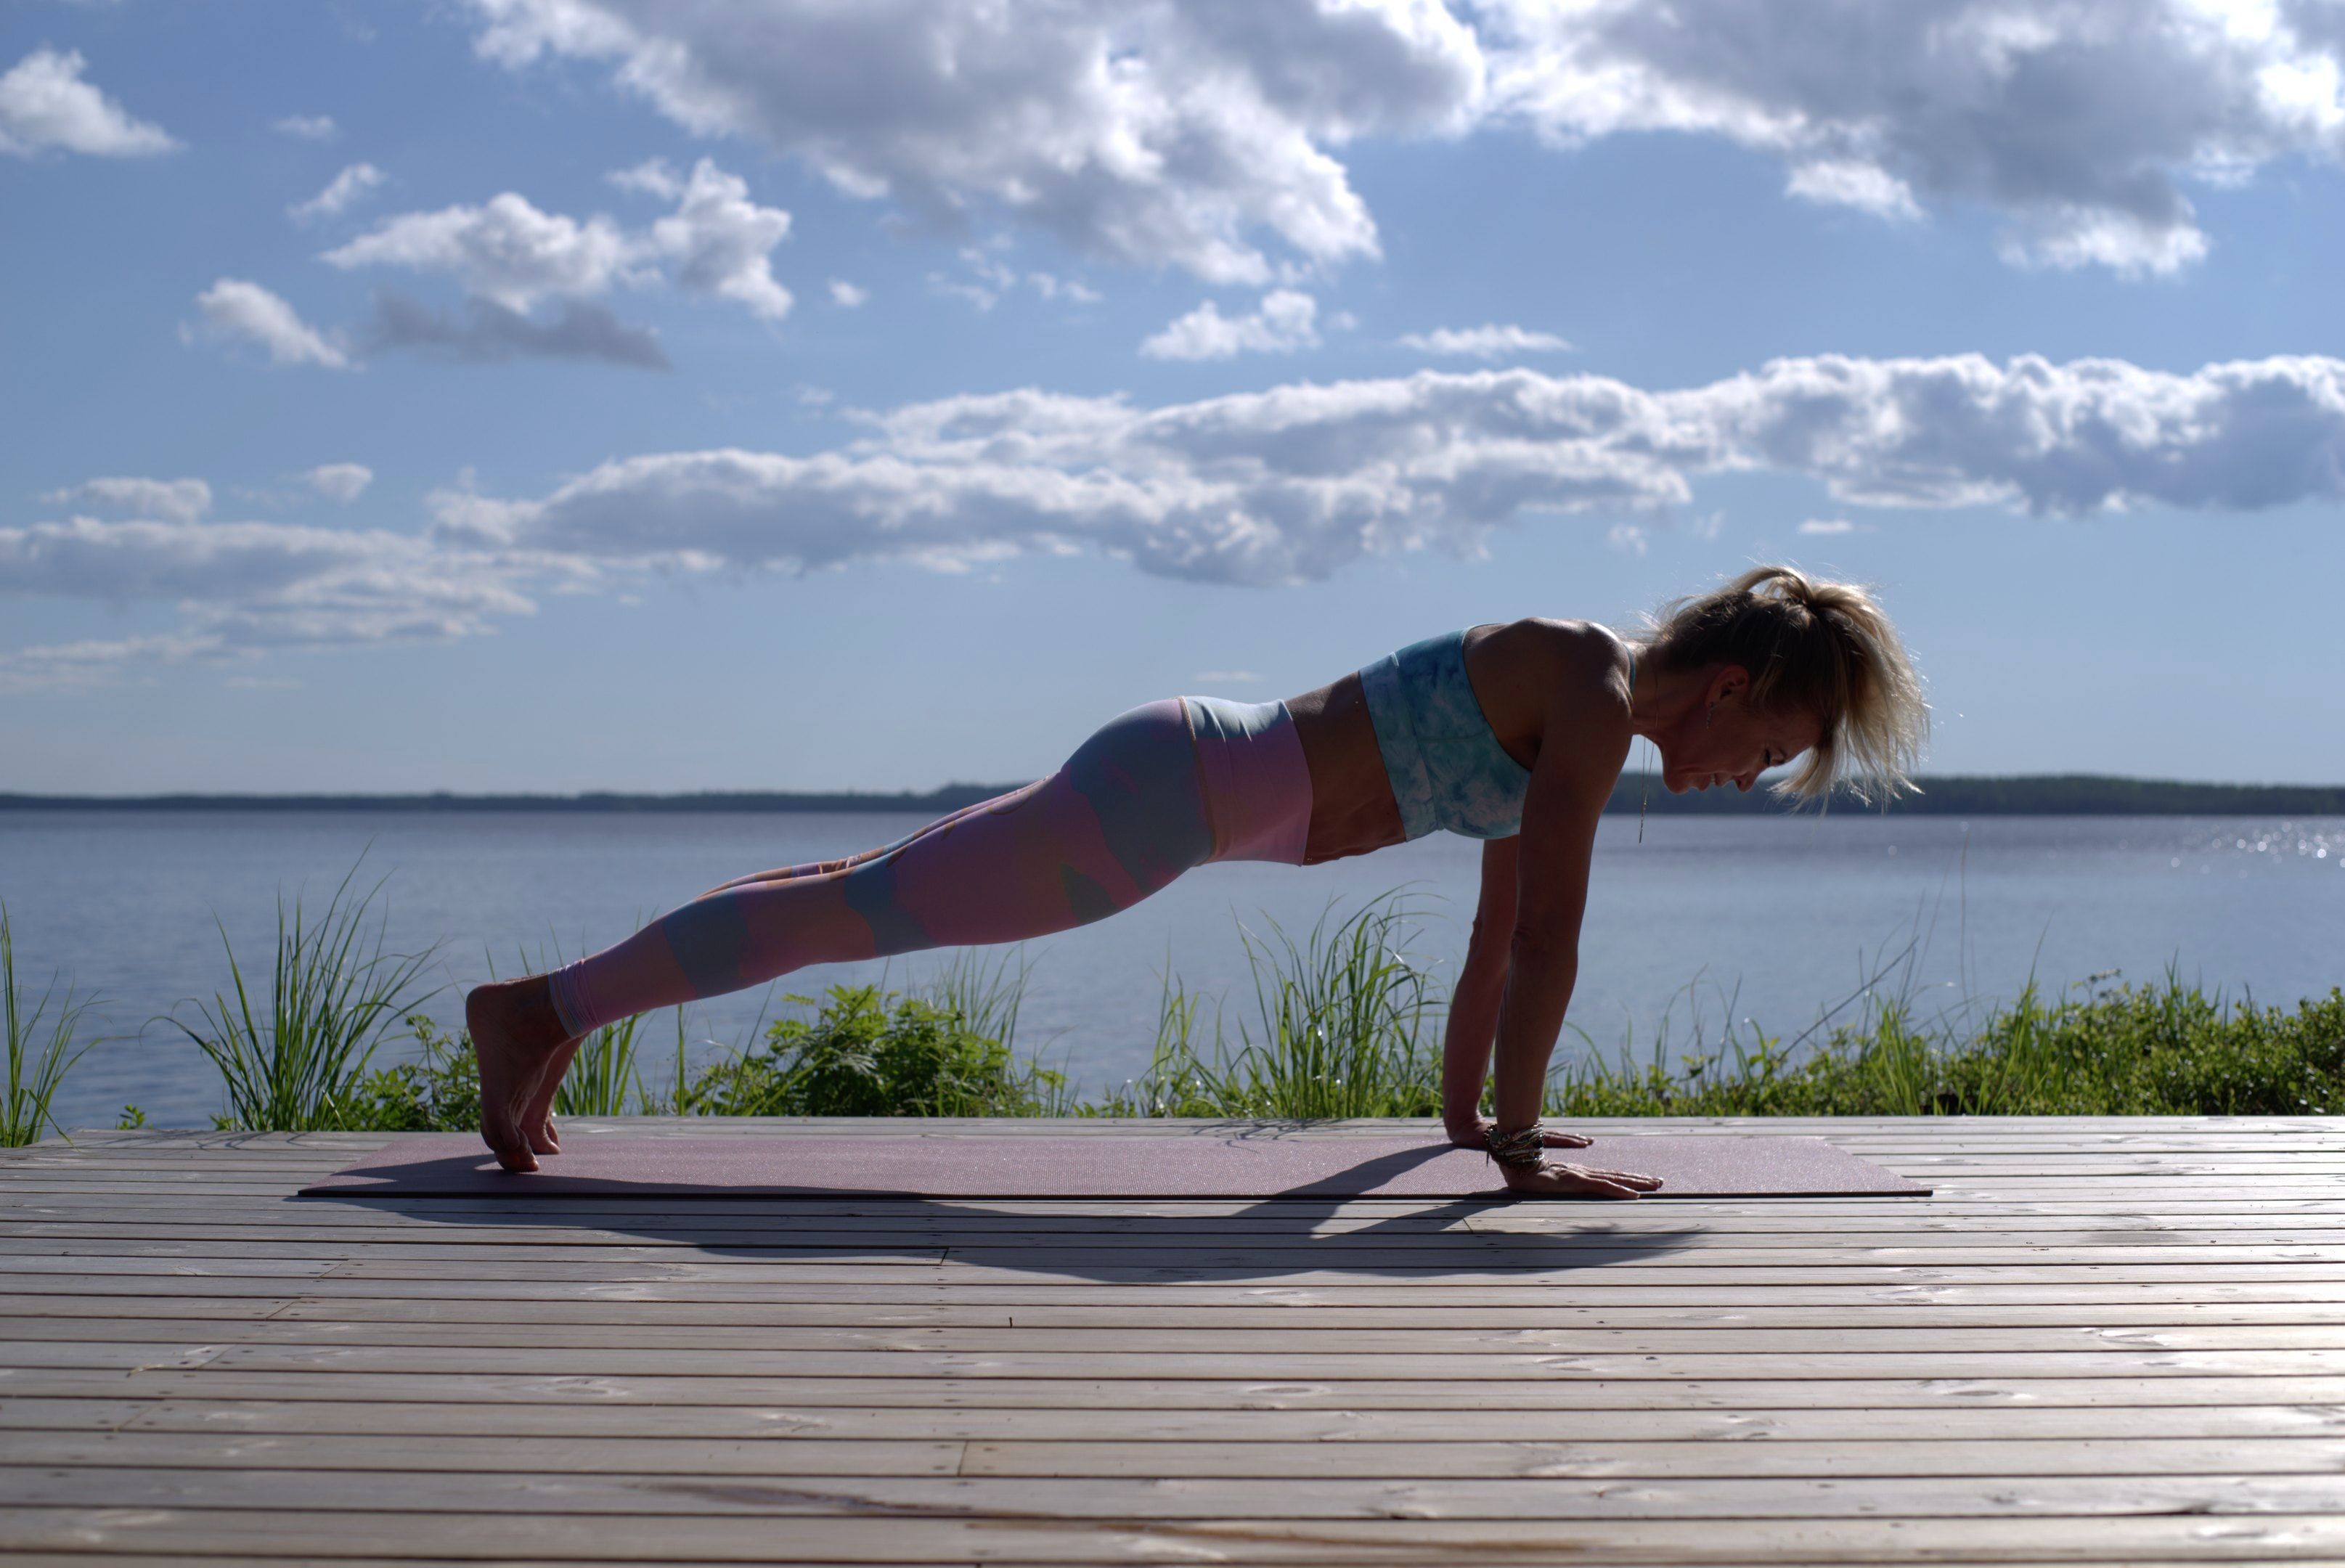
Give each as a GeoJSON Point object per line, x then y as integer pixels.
{"type": "Point", "coordinates": [1447, 768]}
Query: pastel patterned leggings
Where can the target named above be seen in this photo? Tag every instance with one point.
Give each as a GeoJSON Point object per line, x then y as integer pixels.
{"type": "Point", "coordinates": [1154, 792]}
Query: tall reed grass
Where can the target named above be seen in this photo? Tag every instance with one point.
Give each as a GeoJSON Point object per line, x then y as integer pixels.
{"type": "Point", "coordinates": [1345, 1024]}
{"type": "Point", "coordinates": [296, 1059]}
{"type": "Point", "coordinates": [39, 1055]}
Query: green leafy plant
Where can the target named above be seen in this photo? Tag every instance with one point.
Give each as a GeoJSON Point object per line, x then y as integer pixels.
{"type": "Point", "coordinates": [39, 1055]}
{"type": "Point", "coordinates": [869, 1052]}
{"type": "Point", "coordinates": [296, 1059]}
{"type": "Point", "coordinates": [440, 1092]}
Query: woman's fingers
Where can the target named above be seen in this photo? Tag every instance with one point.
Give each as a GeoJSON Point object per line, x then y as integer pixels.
{"type": "Point", "coordinates": [1555, 1176]}
{"type": "Point", "coordinates": [1555, 1139]}
{"type": "Point", "coordinates": [1641, 1182]}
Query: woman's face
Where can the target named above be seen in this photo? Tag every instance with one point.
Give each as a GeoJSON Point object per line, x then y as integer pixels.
{"type": "Point", "coordinates": [1732, 743]}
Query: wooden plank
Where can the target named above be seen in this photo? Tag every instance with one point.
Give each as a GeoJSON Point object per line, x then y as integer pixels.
{"type": "Point", "coordinates": [1296, 1336]}
{"type": "Point", "coordinates": [1144, 1316]}
{"type": "Point", "coordinates": [664, 1499]}
{"type": "Point", "coordinates": [444, 1452]}
{"type": "Point", "coordinates": [539, 1534]}
{"type": "Point", "coordinates": [784, 1454]}
{"type": "Point", "coordinates": [1819, 1221]}
{"type": "Point", "coordinates": [1449, 1257]}
{"type": "Point", "coordinates": [1478, 1240]}
{"type": "Point", "coordinates": [343, 1282]}
{"type": "Point", "coordinates": [1139, 1317]}
{"type": "Point", "coordinates": [2147, 1367]}
{"type": "Point", "coordinates": [958, 1389]}
{"type": "Point", "coordinates": [337, 1409]}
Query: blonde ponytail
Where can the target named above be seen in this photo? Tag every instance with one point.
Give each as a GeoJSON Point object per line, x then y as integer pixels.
{"type": "Point", "coordinates": [1826, 647]}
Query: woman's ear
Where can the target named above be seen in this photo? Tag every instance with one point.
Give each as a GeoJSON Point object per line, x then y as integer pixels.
{"type": "Point", "coordinates": [1729, 681]}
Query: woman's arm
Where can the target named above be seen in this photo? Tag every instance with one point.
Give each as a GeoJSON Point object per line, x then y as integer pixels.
{"type": "Point", "coordinates": [1474, 1007]}
{"type": "Point", "coordinates": [1582, 750]}
{"type": "Point", "coordinates": [1474, 1004]}
{"type": "Point", "coordinates": [1560, 810]}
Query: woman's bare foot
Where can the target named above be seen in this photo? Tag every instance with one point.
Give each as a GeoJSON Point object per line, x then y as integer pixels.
{"type": "Point", "coordinates": [516, 1038]}
{"type": "Point", "coordinates": [537, 1116]}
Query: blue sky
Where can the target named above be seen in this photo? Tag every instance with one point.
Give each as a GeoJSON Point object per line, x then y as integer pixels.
{"type": "Point", "coordinates": [571, 394]}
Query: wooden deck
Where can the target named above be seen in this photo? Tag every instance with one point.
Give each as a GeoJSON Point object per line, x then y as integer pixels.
{"type": "Point", "coordinates": [2102, 1341]}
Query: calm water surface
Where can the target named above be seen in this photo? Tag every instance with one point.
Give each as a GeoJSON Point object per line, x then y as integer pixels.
{"type": "Point", "coordinates": [1783, 916]}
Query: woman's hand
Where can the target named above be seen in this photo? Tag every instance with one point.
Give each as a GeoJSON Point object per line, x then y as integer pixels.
{"type": "Point", "coordinates": [1476, 1134]}
{"type": "Point", "coordinates": [1554, 1179]}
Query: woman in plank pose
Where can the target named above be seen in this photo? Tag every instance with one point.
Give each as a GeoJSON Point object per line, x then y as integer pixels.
{"type": "Point", "coordinates": [1514, 734]}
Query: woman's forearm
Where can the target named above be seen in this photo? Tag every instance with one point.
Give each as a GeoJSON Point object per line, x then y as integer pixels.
{"type": "Point", "coordinates": [1538, 985]}
{"type": "Point", "coordinates": [1465, 1042]}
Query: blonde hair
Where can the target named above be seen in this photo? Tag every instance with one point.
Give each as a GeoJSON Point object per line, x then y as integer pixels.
{"type": "Point", "coordinates": [1826, 647]}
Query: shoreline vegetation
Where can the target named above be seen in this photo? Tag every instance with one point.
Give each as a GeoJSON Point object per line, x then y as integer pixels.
{"type": "Point", "coordinates": [1344, 1020]}
{"type": "Point", "coordinates": [1952, 795]}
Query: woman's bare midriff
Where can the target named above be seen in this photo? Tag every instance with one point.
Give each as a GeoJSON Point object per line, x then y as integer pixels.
{"type": "Point", "coordinates": [1352, 807]}
{"type": "Point", "coordinates": [1508, 664]}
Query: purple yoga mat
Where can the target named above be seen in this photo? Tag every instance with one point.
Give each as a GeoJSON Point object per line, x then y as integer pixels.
{"type": "Point", "coordinates": [1265, 1164]}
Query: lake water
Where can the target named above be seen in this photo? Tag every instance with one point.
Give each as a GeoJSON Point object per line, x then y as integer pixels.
{"type": "Point", "coordinates": [1784, 915]}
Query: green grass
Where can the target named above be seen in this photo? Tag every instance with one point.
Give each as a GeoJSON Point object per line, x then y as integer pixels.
{"type": "Point", "coordinates": [1345, 1023]}
{"type": "Point", "coordinates": [2165, 1048]}
{"type": "Point", "coordinates": [296, 1059]}
{"type": "Point", "coordinates": [1342, 1021]}
{"type": "Point", "coordinates": [39, 1055]}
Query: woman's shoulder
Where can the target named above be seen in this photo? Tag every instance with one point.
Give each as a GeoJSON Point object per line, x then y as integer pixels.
{"type": "Point", "coordinates": [1535, 672]}
{"type": "Point", "coordinates": [1557, 650]}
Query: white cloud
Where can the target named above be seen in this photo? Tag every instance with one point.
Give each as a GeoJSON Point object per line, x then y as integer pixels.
{"type": "Point", "coordinates": [345, 188]}
{"type": "Point", "coordinates": [1830, 525]}
{"type": "Point", "coordinates": [1846, 182]}
{"type": "Point", "coordinates": [505, 250]}
{"type": "Point", "coordinates": [2078, 120]}
{"type": "Point", "coordinates": [306, 127]}
{"type": "Point", "coordinates": [44, 103]}
{"type": "Point", "coordinates": [1293, 483]}
{"type": "Point", "coordinates": [847, 295]}
{"type": "Point", "coordinates": [1151, 133]}
{"type": "Point", "coordinates": [653, 176]}
{"type": "Point", "coordinates": [177, 500]}
{"type": "Point", "coordinates": [1287, 485]}
{"type": "Point", "coordinates": [1484, 342]}
{"type": "Point", "coordinates": [722, 242]}
{"type": "Point", "coordinates": [263, 582]}
{"type": "Point", "coordinates": [339, 481]}
{"type": "Point", "coordinates": [510, 254]}
{"type": "Point", "coordinates": [70, 666]}
{"type": "Point", "coordinates": [246, 588]}
{"type": "Point", "coordinates": [233, 307]}
{"type": "Point", "coordinates": [1285, 322]}
{"type": "Point", "coordinates": [1052, 286]}
{"type": "Point", "coordinates": [1139, 131]}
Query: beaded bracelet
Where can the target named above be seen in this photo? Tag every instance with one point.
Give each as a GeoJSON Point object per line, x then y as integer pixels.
{"type": "Point", "coordinates": [1521, 1147]}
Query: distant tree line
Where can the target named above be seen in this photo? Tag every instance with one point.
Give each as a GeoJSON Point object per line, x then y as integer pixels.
{"type": "Point", "coordinates": [1952, 795]}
